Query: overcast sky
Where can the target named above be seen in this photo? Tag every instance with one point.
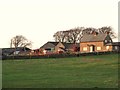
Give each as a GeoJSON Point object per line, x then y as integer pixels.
{"type": "Point", "coordinates": [38, 20]}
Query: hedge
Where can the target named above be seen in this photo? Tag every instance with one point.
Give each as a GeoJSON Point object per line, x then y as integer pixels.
{"type": "Point", "coordinates": [63, 55]}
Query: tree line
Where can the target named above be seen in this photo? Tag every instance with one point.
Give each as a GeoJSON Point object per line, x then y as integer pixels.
{"type": "Point", "coordinates": [69, 36]}
{"type": "Point", "coordinates": [74, 35]}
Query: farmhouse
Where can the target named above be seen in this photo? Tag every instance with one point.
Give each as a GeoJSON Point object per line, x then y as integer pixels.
{"type": "Point", "coordinates": [96, 43]}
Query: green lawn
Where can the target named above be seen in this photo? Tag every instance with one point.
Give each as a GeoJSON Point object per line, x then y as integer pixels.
{"type": "Point", "coordinates": [78, 72]}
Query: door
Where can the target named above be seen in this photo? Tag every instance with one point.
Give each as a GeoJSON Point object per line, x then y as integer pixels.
{"type": "Point", "coordinates": [92, 48]}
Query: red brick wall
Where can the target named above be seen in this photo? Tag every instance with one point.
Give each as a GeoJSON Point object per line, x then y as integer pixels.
{"type": "Point", "coordinates": [96, 44]}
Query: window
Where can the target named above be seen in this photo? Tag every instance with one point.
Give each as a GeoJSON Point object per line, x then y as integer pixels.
{"type": "Point", "coordinates": [44, 51]}
{"type": "Point", "coordinates": [109, 40]}
{"type": "Point", "coordinates": [52, 49]}
{"type": "Point", "coordinates": [98, 48]}
{"type": "Point", "coordinates": [16, 52]}
{"type": "Point", "coordinates": [107, 47]}
{"type": "Point", "coordinates": [84, 48]}
{"type": "Point", "coordinates": [116, 47]}
{"type": "Point", "coordinates": [48, 49]}
{"type": "Point", "coordinates": [105, 41]}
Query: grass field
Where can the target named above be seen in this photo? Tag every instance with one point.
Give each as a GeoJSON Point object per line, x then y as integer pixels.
{"type": "Point", "coordinates": [78, 72]}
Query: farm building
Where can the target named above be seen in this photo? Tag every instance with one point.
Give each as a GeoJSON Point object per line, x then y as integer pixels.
{"type": "Point", "coordinates": [38, 51]}
{"type": "Point", "coordinates": [59, 47]}
{"type": "Point", "coordinates": [116, 46]}
{"type": "Point", "coordinates": [49, 47]}
{"type": "Point", "coordinates": [13, 51]}
{"type": "Point", "coordinates": [63, 47]}
{"type": "Point", "coordinates": [96, 43]}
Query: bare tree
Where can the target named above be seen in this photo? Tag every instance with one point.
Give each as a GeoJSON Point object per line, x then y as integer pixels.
{"type": "Point", "coordinates": [107, 30]}
{"type": "Point", "coordinates": [59, 36]}
{"type": "Point", "coordinates": [89, 30]}
{"type": "Point", "coordinates": [20, 41]}
{"type": "Point", "coordinates": [70, 36]}
{"type": "Point", "coordinates": [75, 35]}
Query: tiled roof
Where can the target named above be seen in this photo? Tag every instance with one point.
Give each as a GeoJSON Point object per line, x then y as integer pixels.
{"type": "Point", "coordinates": [69, 45]}
{"type": "Point", "coordinates": [92, 38]}
{"type": "Point", "coordinates": [49, 45]}
{"type": "Point", "coordinates": [54, 43]}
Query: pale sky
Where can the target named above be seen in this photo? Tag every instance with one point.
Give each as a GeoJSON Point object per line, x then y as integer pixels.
{"type": "Point", "coordinates": [38, 20]}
